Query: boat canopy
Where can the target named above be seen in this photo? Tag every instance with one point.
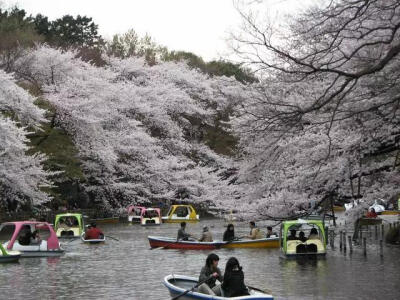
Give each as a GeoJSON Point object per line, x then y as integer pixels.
{"type": "Point", "coordinates": [75, 216]}
{"type": "Point", "coordinates": [303, 225]}
{"type": "Point", "coordinates": [135, 210]}
{"type": "Point", "coordinates": [182, 211]}
{"type": "Point", "coordinates": [52, 240]}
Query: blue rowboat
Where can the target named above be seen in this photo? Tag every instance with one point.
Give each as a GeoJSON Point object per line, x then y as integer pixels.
{"type": "Point", "coordinates": [178, 284]}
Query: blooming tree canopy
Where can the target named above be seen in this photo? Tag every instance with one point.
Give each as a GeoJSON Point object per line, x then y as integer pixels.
{"type": "Point", "coordinates": [21, 175]}
{"type": "Point", "coordinates": [325, 120]}
{"type": "Point", "coordinates": [137, 127]}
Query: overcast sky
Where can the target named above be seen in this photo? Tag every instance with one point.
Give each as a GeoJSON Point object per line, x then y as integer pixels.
{"type": "Point", "coordinates": [198, 26]}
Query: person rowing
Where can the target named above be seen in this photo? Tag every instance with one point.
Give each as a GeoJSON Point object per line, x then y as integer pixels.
{"type": "Point", "coordinates": [212, 272]}
{"type": "Point", "coordinates": [182, 234]}
{"type": "Point", "coordinates": [233, 284]}
{"type": "Point", "coordinates": [93, 233]}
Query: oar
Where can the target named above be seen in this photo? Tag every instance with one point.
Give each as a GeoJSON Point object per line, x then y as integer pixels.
{"type": "Point", "coordinates": [190, 290]}
{"type": "Point", "coordinates": [258, 290]}
{"type": "Point", "coordinates": [113, 238]}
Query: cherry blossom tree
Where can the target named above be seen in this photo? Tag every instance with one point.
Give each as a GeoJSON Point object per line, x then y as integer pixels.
{"type": "Point", "coordinates": [136, 126]}
{"type": "Point", "coordinates": [325, 119]}
{"type": "Point", "coordinates": [21, 175]}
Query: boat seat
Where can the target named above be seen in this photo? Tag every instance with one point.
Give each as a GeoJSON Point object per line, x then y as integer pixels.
{"type": "Point", "coordinates": [41, 247]}
{"type": "Point", "coordinates": [296, 246]}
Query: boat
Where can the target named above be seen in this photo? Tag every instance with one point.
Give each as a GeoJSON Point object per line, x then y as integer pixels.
{"type": "Point", "coordinates": [272, 242]}
{"type": "Point", "coordinates": [144, 215]}
{"type": "Point", "coordinates": [181, 213]}
{"type": "Point", "coordinates": [338, 208]}
{"type": "Point", "coordinates": [151, 216]}
{"type": "Point", "coordinates": [69, 225]}
{"type": "Point", "coordinates": [48, 245]}
{"type": "Point", "coordinates": [172, 243]}
{"type": "Point", "coordinates": [110, 220]}
{"type": "Point", "coordinates": [102, 239]}
{"type": "Point", "coordinates": [8, 256]}
{"type": "Point", "coordinates": [135, 213]}
{"type": "Point", "coordinates": [179, 284]}
{"type": "Point", "coordinates": [390, 212]}
{"type": "Point", "coordinates": [295, 248]}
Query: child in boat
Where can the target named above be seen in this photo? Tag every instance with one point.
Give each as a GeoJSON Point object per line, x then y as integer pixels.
{"type": "Point", "coordinates": [206, 235]}
{"type": "Point", "coordinates": [233, 285]}
{"type": "Point", "coordinates": [229, 234]}
{"type": "Point", "coordinates": [212, 272]}
{"type": "Point", "coordinates": [93, 233]}
{"type": "Point", "coordinates": [255, 233]}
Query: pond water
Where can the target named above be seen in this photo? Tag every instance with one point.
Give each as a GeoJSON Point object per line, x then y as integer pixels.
{"type": "Point", "coordinates": [129, 270]}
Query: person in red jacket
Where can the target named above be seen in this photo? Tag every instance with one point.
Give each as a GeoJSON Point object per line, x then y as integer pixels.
{"type": "Point", "coordinates": [371, 213]}
{"type": "Point", "coordinates": [93, 233]}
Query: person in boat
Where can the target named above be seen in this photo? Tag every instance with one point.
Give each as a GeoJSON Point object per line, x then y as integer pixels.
{"type": "Point", "coordinates": [292, 235]}
{"type": "Point", "coordinates": [313, 234]}
{"type": "Point", "coordinates": [255, 233]}
{"type": "Point", "coordinates": [25, 238]}
{"type": "Point", "coordinates": [211, 271]}
{"type": "Point", "coordinates": [270, 233]}
{"type": "Point", "coordinates": [233, 285]}
{"type": "Point", "coordinates": [35, 238]}
{"type": "Point", "coordinates": [182, 234]}
{"type": "Point", "coordinates": [371, 213]}
{"type": "Point", "coordinates": [229, 234]}
{"type": "Point", "coordinates": [93, 233]}
{"type": "Point", "coordinates": [206, 235]}
{"type": "Point", "coordinates": [302, 236]}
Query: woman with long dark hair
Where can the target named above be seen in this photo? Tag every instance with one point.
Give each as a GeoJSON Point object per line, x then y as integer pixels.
{"type": "Point", "coordinates": [229, 234]}
{"type": "Point", "coordinates": [233, 285]}
{"type": "Point", "coordinates": [212, 272]}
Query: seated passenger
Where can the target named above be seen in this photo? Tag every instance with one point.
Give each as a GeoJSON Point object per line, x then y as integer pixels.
{"type": "Point", "coordinates": [25, 238]}
{"type": "Point", "coordinates": [292, 235]}
{"type": "Point", "coordinates": [229, 234]}
{"type": "Point", "coordinates": [206, 235]}
{"type": "Point", "coordinates": [371, 213]}
{"type": "Point", "coordinates": [233, 285]}
{"type": "Point", "coordinates": [270, 233]}
{"type": "Point", "coordinates": [35, 238]}
{"type": "Point", "coordinates": [209, 274]}
{"type": "Point", "coordinates": [302, 236]}
{"type": "Point", "coordinates": [255, 233]}
{"type": "Point", "coordinates": [313, 234]}
{"type": "Point", "coordinates": [93, 233]}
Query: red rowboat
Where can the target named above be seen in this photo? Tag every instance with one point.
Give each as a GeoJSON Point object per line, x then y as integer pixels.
{"type": "Point", "coordinates": [171, 243]}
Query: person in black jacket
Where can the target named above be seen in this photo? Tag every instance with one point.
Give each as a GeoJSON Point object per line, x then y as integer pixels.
{"type": "Point", "coordinates": [233, 285]}
{"type": "Point", "coordinates": [229, 234]}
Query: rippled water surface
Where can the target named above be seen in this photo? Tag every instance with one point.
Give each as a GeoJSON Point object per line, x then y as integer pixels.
{"type": "Point", "coordinates": [129, 270]}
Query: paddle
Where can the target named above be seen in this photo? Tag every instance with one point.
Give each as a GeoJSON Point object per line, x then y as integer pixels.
{"type": "Point", "coordinates": [190, 290]}
{"type": "Point", "coordinates": [113, 238]}
{"type": "Point", "coordinates": [258, 290]}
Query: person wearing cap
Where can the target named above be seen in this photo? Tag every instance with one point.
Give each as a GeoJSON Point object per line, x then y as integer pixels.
{"type": "Point", "coordinates": [206, 235]}
{"type": "Point", "coordinates": [93, 233]}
